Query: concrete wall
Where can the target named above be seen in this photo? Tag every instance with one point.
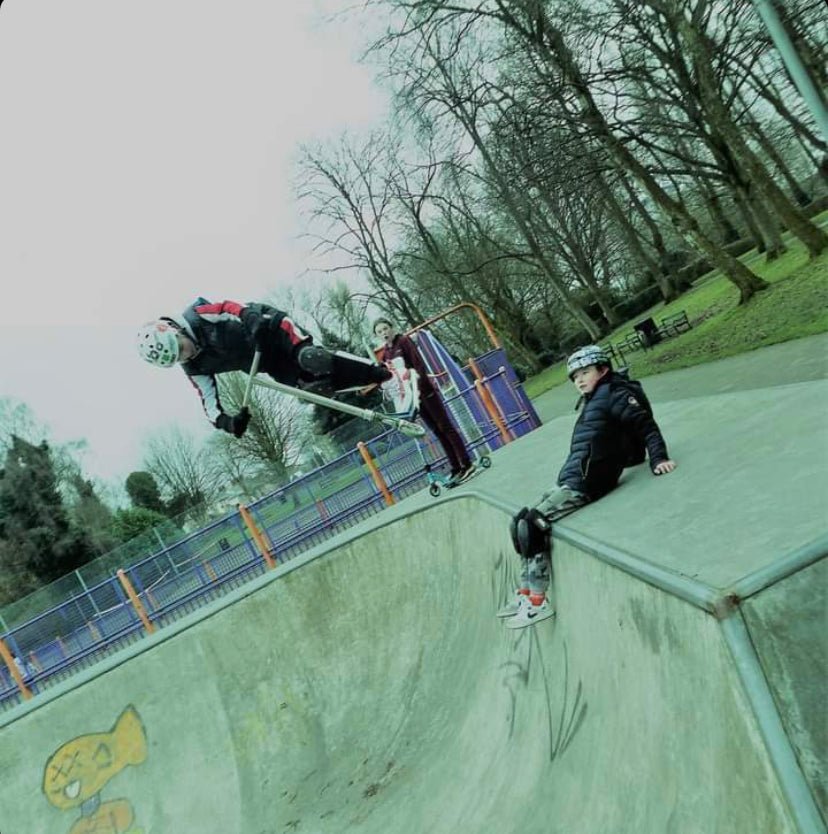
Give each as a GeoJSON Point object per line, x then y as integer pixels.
{"type": "Point", "coordinates": [372, 690]}
{"type": "Point", "coordinates": [788, 624]}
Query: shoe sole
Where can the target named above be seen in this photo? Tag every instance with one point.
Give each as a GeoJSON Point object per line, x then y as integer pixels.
{"type": "Point", "coordinates": [515, 624]}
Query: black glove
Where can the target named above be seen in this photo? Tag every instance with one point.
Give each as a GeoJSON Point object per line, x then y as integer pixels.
{"type": "Point", "coordinates": [258, 325]}
{"type": "Point", "coordinates": [235, 424]}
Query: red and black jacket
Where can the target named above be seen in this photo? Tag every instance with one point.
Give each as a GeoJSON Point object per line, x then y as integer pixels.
{"type": "Point", "coordinates": [225, 334]}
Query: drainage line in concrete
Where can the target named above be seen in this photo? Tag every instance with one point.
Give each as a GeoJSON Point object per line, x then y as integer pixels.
{"type": "Point", "coordinates": [794, 785]}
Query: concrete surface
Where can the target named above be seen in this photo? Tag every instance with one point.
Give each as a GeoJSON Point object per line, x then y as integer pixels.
{"type": "Point", "coordinates": [366, 687]}
{"type": "Point", "coordinates": [800, 360]}
{"type": "Point", "coordinates": [373, 691]}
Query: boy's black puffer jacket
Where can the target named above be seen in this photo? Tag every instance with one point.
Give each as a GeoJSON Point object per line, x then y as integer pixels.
{"type": "Point", "coordinates": [614, 430]}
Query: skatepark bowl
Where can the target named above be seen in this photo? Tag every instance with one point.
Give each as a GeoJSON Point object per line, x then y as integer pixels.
{"type": "Point", "coordinates": [366, 686]}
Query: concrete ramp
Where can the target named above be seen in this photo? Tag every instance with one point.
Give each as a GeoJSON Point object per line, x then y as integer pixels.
{"type": "Point", "coordinates": [369, 688]}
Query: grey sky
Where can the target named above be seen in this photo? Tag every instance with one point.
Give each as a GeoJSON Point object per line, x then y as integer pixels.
{"type": "Point", "coordinates": [146, 159]}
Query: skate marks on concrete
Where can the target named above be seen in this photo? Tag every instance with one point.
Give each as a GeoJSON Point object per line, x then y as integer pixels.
{"type": "Point", "coordinates": [564, 714]}
{"type": "Point", "coordinates": [369, 688]}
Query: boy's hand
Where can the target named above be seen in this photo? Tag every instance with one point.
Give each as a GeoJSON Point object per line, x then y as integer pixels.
{"type": "Point", "coordinates": [664, 467]}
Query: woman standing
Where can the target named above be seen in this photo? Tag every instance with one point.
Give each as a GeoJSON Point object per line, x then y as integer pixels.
{"type": "Point", "coordinates": [434, 414]}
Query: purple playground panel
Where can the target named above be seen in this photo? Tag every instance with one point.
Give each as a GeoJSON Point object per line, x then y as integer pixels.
{"type": "Point", "coordinates": [507, 392]}
{"type": "Point", "coordinates": [209, 562]}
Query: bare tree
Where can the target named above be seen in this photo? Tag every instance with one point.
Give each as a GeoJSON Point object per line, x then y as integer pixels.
{"type": "Point", "coordinates": [184, 469]}
{"type": "Point", "coordinates": [277, 432]}
{"type": "Point", "coordinates": [347, 198]}
{"type": "Point", "coordinates": [544, 38]}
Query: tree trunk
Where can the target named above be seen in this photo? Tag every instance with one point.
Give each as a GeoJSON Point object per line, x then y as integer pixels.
{"type": "Point", "coordinates": [714, 206]}
{"type": "Point", "coordinates": [812, 236]}
{"type": "Point", "coordinates": [512, 204]}
{"type": "Point", "coordinates": [799, 194]}
{"type": "Point", "coordinates": [771, 232]}
{"type": "Point", "coordinates": [650, 266]}
{"type": "Point", "coordinates": [750, 221]}
{"type": "Point", "coordinates": [558, 54]}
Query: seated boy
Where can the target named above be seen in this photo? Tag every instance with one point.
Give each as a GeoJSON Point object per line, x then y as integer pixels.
{"type": "Point", "coordinates": [614, 430]}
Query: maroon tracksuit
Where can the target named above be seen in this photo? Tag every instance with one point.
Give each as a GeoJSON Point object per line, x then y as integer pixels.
{"type": "Point", "coordinates": [432, 410]}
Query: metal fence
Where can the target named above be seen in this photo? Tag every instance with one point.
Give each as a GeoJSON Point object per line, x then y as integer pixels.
{"type": "Point", "coordinates": [171, 579]}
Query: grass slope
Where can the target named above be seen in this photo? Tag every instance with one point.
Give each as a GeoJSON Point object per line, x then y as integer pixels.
{"type": "Point", "coordinates": [795, 305]}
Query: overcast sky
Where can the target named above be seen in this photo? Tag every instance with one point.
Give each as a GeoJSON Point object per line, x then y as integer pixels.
{"type": "Point", "coordinates": [146, 160]}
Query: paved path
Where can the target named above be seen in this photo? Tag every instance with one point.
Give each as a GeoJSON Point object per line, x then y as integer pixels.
{"type": "Point", "coordinates": [800, 360]}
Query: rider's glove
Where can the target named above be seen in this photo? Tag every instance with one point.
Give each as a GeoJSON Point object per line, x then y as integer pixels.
{"type": "Point", "coordinates": [259, 326]}
{"type": "Point", "coordinates": [235, 424]}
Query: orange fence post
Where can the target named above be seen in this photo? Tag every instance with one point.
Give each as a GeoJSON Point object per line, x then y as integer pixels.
{"type": "Point", "coordinates": [14, 671]}
{"type": "Point", "coordinates": [210, 572]}
{"type": "Point", "coordinates": [257, 535]}
{"type": "Point", "coordinates": [136, 602]}
{"type": "Point", "coordinates": [375, 473]}
{"type": "Point", "coordinates": [489, 404]}
{"type": "Point", "coordinates": [94, 631]}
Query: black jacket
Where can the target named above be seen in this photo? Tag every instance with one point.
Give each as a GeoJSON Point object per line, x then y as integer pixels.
{"type": "Point", "coordinates": [225, 333]}
{"type": "Point", "coordinates": [614, 430]}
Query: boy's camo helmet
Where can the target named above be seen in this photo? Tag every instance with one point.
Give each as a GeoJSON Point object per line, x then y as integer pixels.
{"type": "Point", "coordinates": [586, 356]}
{"type": "Point", "coordinates": [158, 343]}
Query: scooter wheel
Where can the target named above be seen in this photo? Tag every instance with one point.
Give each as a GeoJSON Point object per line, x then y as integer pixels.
{"type": "Point", "coordinates": [485, 461]}
{"type": "Point", "coordinates": [434, 489]}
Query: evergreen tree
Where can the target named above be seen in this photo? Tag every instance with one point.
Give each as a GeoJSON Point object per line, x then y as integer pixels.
{"type": "Point", "coordinates": [37, 539]}
{"type": "Point", "coordinates": [143, 491]}
{"type": "Point", "coordinates": [132, 522]}
{"type": "Point", "coordinates": [89, 513]}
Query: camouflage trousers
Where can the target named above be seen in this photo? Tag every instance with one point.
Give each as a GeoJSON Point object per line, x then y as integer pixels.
{"type": "Point", "coordinates": [532, 534]}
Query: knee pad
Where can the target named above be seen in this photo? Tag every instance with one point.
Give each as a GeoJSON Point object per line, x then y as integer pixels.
{"type": "Point", "coordinates": [315, 360]}
{"type": "Point", "coordinates": [532, 537]}
{"type": "Point", "coordinates": [513, 528]}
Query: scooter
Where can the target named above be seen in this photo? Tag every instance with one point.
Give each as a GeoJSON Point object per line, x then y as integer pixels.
{"type": "Point", "coordinates": [407, 427]}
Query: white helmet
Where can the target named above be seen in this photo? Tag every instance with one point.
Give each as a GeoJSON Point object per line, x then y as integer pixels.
{"type": "Point", "coordinates": [158, 343]}
{"type": "Point", "coordinates": [586, 356]}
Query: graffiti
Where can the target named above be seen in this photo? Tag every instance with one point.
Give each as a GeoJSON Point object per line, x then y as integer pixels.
{"type": "Point", "coordinates": [563, 723]}
{"type": "Point", "coordinates": [78, 771]}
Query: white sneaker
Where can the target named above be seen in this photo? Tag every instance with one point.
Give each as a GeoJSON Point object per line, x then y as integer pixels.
{"type": "Point", "coordinates": [530, 614]}
{"type": "Point", "coordinates": [514, 605]}
{"type": "Point", "coordinates": [402, 390]}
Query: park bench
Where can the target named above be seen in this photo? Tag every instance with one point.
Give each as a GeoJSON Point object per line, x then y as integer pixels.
{"type": "Point", "coordinates": [673, 325]}
{"type": "Point", "coordinates": [647, 333]}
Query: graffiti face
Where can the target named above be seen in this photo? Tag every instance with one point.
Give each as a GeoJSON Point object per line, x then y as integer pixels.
{"type": "Point", "coordinates": [78, 770]}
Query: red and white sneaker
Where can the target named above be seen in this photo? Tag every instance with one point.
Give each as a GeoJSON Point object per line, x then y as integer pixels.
{"type": "Point", "coordinates": [520, 598]}
{"type": "Point", "coordinates": [529, 614]}
{"type": "Point", "coordinates": [402, 391]}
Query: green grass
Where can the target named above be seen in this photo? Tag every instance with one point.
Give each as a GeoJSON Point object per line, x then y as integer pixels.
{"type": "Point", "coordinates": [795, 305]}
